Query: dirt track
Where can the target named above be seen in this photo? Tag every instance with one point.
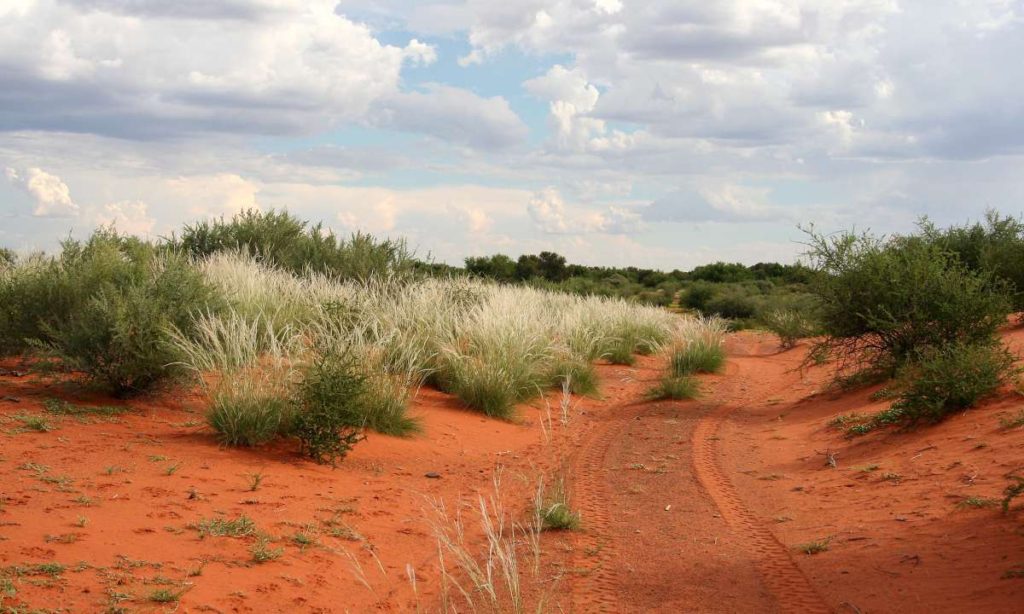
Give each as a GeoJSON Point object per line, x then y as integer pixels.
{"type": "Point", "coordinates": [694, 506]}
{"type": "Point", "coordinates": [676, 525]}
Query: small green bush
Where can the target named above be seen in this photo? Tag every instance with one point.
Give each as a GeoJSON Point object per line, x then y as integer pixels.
{"type": "Point", "coordinates": [696, 357]}
{"type": "Point", "coordinates": [732, 305]}
{"type": "Point", "coordinates": [283, 240]}
{"type": "Point", "coordinates": [554, 511]}
{"type": "Point", "coordinates": [789, 326]}
{"type": "Point", "coordinates": [697, 295]}
{"type": "Point", "coordinates": [951, 379]}
{"type": "Point", "coordinates": [676, 387]}
{"type": "Point", "coordinates": [329, 399]}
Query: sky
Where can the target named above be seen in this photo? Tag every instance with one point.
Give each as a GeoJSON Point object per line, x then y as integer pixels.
{"type": "Point", "coordinates": [652, 133]}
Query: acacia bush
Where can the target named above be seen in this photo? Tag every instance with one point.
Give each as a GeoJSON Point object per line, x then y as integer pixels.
{"type": "Point", "coordinates": [280, 239]}
{"type": "Point", "coordinates": [995, 246]}
{"type": "Point", "coordinates": [104, 307]}
{"type": "Point", "coordinates": [887, 300]}
{"type": "Point", "coordinates": [789, 325]}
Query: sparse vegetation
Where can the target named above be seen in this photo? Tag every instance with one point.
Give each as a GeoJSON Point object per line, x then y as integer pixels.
{"type": "Point", "coordinates": [815, 547]}
{"type": "Point", "coordinates": [554, 510]}
{"type": "Point", "coordinates": [223, 527]}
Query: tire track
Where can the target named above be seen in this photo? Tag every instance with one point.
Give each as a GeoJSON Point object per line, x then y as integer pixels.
{"type": "Point", "coordinates": [597, 589]}
{"type": "Point", "coordinates": [782, 577]}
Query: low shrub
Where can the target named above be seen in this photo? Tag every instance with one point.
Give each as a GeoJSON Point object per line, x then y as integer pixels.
{"type": "Point", "coordinates": [329, 399]}
{"type": "Point", "coordinates": [554, 511]}
{"type": "Point", "coordinates": [789, 326]}
{"type": "Point", "coordinates": [732, 305]}
{"type": "Point", "coordinates": [280, 239]}
{"type": "Point", "coordinates": [951, 379]}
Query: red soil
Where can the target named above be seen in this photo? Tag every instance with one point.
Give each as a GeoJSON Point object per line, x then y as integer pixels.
{"type": "Point", "coordinates": [687, 506]}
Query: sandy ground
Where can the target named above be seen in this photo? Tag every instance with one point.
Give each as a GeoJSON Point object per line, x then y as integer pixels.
{"type": "Point", "coordinates": [696, 506]}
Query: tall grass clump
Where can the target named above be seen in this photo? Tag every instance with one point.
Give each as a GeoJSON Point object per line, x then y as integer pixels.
{"type": "Point", "coordinates": [696, 348]}
{"type": "Point", "coordinates": [104, 307]}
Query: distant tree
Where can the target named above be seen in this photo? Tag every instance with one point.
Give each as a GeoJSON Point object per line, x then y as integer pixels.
{"type": "Point", "coordinates": [6, 256]}
{"type": "Point", "coordinates": [552, 266]}
{"type": "Point", "coordinates": [498, 267]}
{"type": "Point", "coordinates": [527, 267]}
{"type": "Point", "coordinates": [722, 272]}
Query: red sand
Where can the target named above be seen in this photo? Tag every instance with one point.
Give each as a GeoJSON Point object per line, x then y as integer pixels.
{"type": "Point", "coordinates": [687, 506]}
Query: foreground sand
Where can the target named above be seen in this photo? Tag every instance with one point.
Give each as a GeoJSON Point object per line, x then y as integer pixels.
{"type": "Point", "coordinates": [695, 506]}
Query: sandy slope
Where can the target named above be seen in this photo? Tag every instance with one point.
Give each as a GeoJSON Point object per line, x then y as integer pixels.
{"type": "Point", "coordinates": [688, 507]}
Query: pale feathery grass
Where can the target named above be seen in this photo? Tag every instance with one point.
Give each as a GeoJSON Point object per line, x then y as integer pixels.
{"type": "Point", "coordinates": [490, 577]}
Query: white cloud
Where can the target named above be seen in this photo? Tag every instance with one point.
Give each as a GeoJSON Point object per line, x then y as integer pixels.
{"type": "Point", "coordinates": [419, 53]}
{"type": "Point", "coordinates": [454, 115]}
{"type": "Point", "coordinates": [145, 68]}
{"type": "Point", "coordinates": [550, 215]}
{"type": "Point", "coordinates": [130, 217]}
{"type": "Point", "coordinates": [50, 195]}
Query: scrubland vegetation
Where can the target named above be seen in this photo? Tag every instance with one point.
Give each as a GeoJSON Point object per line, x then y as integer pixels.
{"type": "Point", "coordinates": [292, 332]}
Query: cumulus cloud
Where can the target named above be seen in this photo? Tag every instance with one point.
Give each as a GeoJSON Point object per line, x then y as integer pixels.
{"type": "Point", "coordinates": [550, 215]}
{"type": "Point", "coordinates": [131, 217]}
{"type": "Point", "coordinates": [50, 195]}
{"type": "Point", "coordinates": [719, 203]}
{"type": "Point", "coordinates": [454, 115]}
{"type": "Point", "coordinates": [144, 69]}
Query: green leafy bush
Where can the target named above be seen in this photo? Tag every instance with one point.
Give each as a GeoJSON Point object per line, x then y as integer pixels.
{"type": "Point", "coordinates": [790, 326]}
{"type": "Point", "coordinates": [950, 379]}
{"type": "Point", "coordinates": [889, 299]}
{"type": "Point", "coordinates": [329, 400]}
{"type": "Point", "coordinates": [698, 295]}
{"type": "Point", "coordinates": [731, 305]}
{"type": "Point", "coordinates": [104, 307]}
{"type": "Point", "coordinates": [283, 240]}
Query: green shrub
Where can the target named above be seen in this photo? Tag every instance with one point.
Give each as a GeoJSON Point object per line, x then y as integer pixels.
{"type": "Point", "coordinates": [7, 258]}
{"type": "Point", "coordinates": [731, 305]}
{"type": "Point", "coordinates": [697, 356]}
{"type": "Point", "coordinates": [789, 326]}
{"type": "Point", "coordinates": [105, 308]}
{"type": "Point", "coordinates": [995, 247]}
{"type": "Point", "coordinates": [951, 379]}
{"type": "Point", "coordinates": [281, 239]}
{"type": "Point", "coordinates": [329, 398]}
{"type": "Point", "coordinates": [698, 295]}
{"type": "Point", "coordinates": [675, 387]}
{"type": "Point", "coordinates": [888, 299]}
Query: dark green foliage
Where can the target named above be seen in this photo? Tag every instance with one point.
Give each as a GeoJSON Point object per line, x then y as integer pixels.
{"type": "Point", "coordinates": [103, 307]}
{"type": "Point", "coordinates": [283, 240]}
{"type": "Point", "coordinates": [951, 379]}
{"type": "Point", "coordinates": [697, 295]}
{"type": "Point", "coordinates": [995, 246]}
{"type": "Point", "coordinates": [719, 272]}
{"type": "Point", "coordinates": [7, 257]}
{"type": "Point", "coordinates": [731, 305]}
{"type": "Point", "coordinates": [889, 299]}
{"type": "Point", "coordinates": [498, 267]}
{"type": "Point", "coordinates": [329, 401]}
